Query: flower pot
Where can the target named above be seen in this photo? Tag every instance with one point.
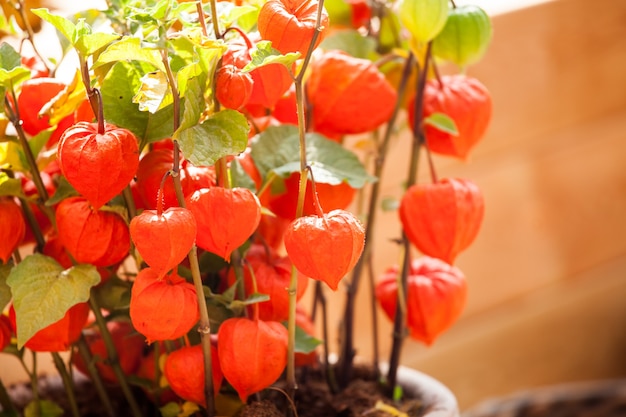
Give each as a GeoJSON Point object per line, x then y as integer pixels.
{"type": "Point", "coordinates": [437, 399]}
{"type": "Point", "coordinates": [605, 398]}
{"type": "Point", "coordinates": [426, 397]}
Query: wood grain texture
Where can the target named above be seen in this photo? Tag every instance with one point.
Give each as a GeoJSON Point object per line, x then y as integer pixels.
{"type": "Point", "coordinates": [547, 276]}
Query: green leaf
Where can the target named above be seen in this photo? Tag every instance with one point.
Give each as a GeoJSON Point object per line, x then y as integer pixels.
{"type": "Point", "coordinates": [10, 187]}
{"type": "Point", "coordinates": [240, 15]}
{"type": "Point", "coordinates": [170, 410]}
{"type": "Point", "coordinates": [154, 93]}
{"type": "Point", "coordinates": [63, 25]}
{"type": "Point", "coordinates": [63, 191]}
{"type": "Point", "coordinates": [37, 142]}
{"type": "Point", "coordinates": [11, 70]}
{"type": "Point", "coordinates": [239, 177]}
{"type": "Point", "coordinates": [352, 42]}
{"type": "Point", "coordinates": [390, 204]}
{"type": "Point", "coordinates": [118, 89]}
{"type": "Point", "coordinates": [277, 150]}
{"type": "Point", "coordinates": [443, 122]}
{"type": "Point", "coordinates": [5, 290]}
{"type": "Point", "coordinates": [398, 393]}
{"type": "Point", "coordinates": [194, 104]}
{"type": "Point", "coordinates": [90, 43]}
{"type": "Point", "coordinates": [129, 49]}
{"type": "Point", "coordinates": [46, 409]}
{"type": "Point", "coordinates": [9, 57]}
{"type": "Point", "coordinates": [16, 158]}
{"type": "Point", "coordinates": [113, 294]}
{"type": "Point", "coordinates": [424, 19]}
{"type": "Point", "coordinates": [305, 343]}
{"type": "Point", "coordinates": [222, 134]}
{"type": "Point", "coordinates": [43, 292]}
{"type": "Point", "coordinates": [237, 305]}
{"type": "Point", "coordinates": [264, 54]}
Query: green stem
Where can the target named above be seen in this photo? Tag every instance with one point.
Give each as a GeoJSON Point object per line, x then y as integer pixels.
{"type": "Point", "coordinates": [204, 328]}
{"type": "Point", "coordinates": [328, 370]}
{"type": "Point", "coordinates": [204, 325]}
{"type": "Point", "coordinates": [172, 82]}
{"type": "Point", "coordinates": [83, 350]}
{"type": "Point", "coordinates": [293, 283]}
{"type": "Point", "coordinates": [67, 383]}
{"type": "Point", "coordinates": [113, 358]}
{"type": "Point", "coordinates": [348, 351]}
{"type": "Point", "coordinates": [33, 382]}
{"type": "Point", "coordinates": [130, 202]}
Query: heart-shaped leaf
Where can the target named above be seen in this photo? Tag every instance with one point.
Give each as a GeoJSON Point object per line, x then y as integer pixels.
{"type": "Point", "coordinates": [224, 133]}
{"type": "Point", "coordinates": [277, 150]}
{"type": "Point", "coordinates": [5, 290]}
{"type": "Point", "coordinates": [43, 292]}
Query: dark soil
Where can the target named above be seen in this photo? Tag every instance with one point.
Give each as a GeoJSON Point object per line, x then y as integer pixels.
{"type": "Point", "coordinates": [313, 399]}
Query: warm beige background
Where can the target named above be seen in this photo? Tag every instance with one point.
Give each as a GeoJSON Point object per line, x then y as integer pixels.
{"type": "Point", "coordinates": [547, 274]}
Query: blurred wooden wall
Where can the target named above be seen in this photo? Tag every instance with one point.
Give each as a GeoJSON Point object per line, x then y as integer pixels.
{"type": "Point", "coordinates": [547, 274]}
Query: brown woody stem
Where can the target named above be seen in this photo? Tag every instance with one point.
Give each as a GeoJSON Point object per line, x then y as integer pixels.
{"type": "Point", "coordinates": [201, 17]}
{"type": "Point", "coordinates": [348, 351]}
{"type": "Point", "coordinates": [215, 20]}
{"type": "Point", "coordinates": [417, 142]}
{"type": "Point", "coordinates": [30, 33]}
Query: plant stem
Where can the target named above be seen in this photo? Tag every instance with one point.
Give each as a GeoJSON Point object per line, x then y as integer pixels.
{"type": "Point", "coordinates": [113, 358]}
{"type": "Point", "coordinates": [34, 226]}
{"type": "Point", "coordinates": [130, 202]}
{"type": "Point", "coordinates": [91, 95]}
{"type": "Point", "coordinates": [417, 142]}
{"type": "Point", "coordinates": [14, 118]}
{"type": "Point", "coordinates": [200, 11]}
{"type": "Point", "coordinates": [30, 33]}
{"type": "Point", "coordinates": [67, 383]}
{"type": "Point", "coordinates": [347, 352]}
{"type": "Point", "coordinates": [331, 380]}
{"type": "Point", "coordinates": [372, 287]}
{"type": "Point", "coordinates": [172, 82]}
{"type": "Point", "coordinates": [215, 20]}
{"type": "Point", "coordinates": [293, 283]}
{"type": "Point", "coordinates": [5, 401]}
{"type": "Point", "coordinates": [83, 350]}
{"type": "Point", "coordinates": [34, 387]}
{"type": "Point", "coordinates": [100, 113]}
{"type": "Point", "coordinates": [204, 326]}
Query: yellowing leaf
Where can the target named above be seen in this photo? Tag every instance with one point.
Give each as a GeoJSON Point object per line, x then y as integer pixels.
{"type": "Point", "coordinates": [43, 292]}
{"type": "Point", "coordinates": [66, 102]}
{"type": "Point", "coordinates": [154, 93]}
{"type": "Point", "coordinates": [5, 291]}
